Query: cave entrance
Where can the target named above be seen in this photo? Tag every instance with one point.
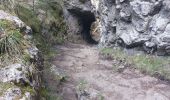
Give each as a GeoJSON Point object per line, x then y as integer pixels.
{"type": "Point", "coordinates": [86, 18]}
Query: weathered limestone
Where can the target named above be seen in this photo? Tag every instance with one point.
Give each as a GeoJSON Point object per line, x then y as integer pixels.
{"type": "Point", "coordinates": [20, 78]}
{"type": "Point", "coordinates": [135, 23]}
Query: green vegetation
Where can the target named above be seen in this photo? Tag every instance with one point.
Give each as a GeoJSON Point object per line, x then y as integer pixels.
{"type": "Point", "coordinates": [4, 87]}
{"type": "Point", "coordinates": [45, 93]}
{"type": "Point", "coordinates": [100, 97]}
{"type": "Point", "coordinates": [46, 20]}
{"type": "Point", "coordinates": [12, 42]}
{"type": "Point", "coordinates": [29, 17]}
{"type": "Point", "coordinates": [51, 21]}
{"type": "Point", "coordinates": [150, 64]}
{"type": "Point", "coordinates": [28, 89]}
{"type": "Point", "coordinates": [82, 85]}
{"type": "Point", "coordinates": [50, 28]}
{"type": "Point", "coordinates": [7, 5]}
{"type": "Point", "coordinates": [11, 39]}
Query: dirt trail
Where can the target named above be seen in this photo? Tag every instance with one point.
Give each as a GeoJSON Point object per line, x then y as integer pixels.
{"type": "Point", "coordinates": [92, 78]}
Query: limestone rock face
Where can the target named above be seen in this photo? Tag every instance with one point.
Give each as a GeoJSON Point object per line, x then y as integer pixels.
{"type": "Point", "coordinates": [15, 94]}
{"type": "Point", "coordinates": [131, 23]}
{"type": "Point", "coordinates": [20, 24]}
{"type": "Point", "coordinates": [12, 93]}
{"type": "Point", "coordinates": [19, 79]}
{"type": "Point", "coordinates": [15, 73]}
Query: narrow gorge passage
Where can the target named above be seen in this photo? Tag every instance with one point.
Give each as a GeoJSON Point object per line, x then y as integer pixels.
{"type": "Point", "coordinates": [91, 78]}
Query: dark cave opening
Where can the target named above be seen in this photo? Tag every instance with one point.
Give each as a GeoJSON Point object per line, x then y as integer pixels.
{"type": "Point", "coordinates": [86, 18]}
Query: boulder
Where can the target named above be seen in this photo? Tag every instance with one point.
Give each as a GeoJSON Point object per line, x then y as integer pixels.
{"type": "Point", "coordinates": [16, 73]}
{"type": "Point", "coordinates": [19, 24]}
{"type": "Point", "coordinates": [12, 94]}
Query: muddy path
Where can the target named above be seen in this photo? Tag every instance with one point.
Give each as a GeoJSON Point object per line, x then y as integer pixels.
{"type": "Point", "coordinates": [91, 78]}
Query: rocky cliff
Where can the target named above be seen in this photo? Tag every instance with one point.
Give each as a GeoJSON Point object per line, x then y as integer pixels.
{"type": "Point", "coordinates": [28, 29]}
{"type": "Point", "coordinates": [127, 23]}
{"type": "Point", "coordinates": [34, 21]}
{"type": "Point", "coordinates": [20, 61]}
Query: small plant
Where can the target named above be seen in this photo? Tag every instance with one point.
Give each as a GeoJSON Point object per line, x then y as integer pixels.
{"type": "Point", "coordinates": [4, 87]}
{"type": "Point", "coordinates": [11, 41]}
{"type": "Point", "coordinates": [29, 17]}
{"type": "Point", "coordinates": [82, 85]}
{"type": "Point", "coordinates": [100, 97]}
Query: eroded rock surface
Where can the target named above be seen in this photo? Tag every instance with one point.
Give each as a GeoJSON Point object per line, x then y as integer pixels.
{"type": "Point", "coordinates": [129, 23]}
{"type": "Point", "coordinates": [20, 79]}
{"type": "Point", "coordinates": [19, 24]}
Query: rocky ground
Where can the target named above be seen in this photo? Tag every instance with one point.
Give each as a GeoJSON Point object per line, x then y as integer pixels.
{"type": "Point", "coordinates": [90, 77]}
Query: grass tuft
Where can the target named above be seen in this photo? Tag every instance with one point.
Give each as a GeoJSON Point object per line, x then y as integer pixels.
{"type": "Point", "coordinates": [12, 42]}
{"type": "Point", "coordinates": [150, 64]}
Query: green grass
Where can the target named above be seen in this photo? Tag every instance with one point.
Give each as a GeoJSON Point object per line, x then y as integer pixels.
{"type": "Point", "coordinates": [47, 93]}
{"type": "Point", "coordinates": [53, 23]}
{"type": "Point", "coordinates": [7, 5]}
{"type": "Point", "coordinates": [29, 17]}
{"type": "Point", "coordinates": [100, 97]}
{"type": "Point", "coordinates": [4, 87]}
{"type": "Point", "coordinates": [12, 42]}
{"type": "Point", "coordinates": [82, 85]}
{"type": "Point", "coordinates": [29, 89]}
{"type": "Point", "coordinates": [150, 64]}
{"type": "Point", "coordinates": [24, 89]}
